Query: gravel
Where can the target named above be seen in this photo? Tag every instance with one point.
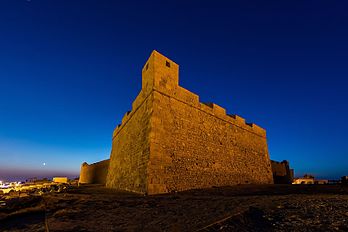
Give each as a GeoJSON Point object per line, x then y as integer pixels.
{"type": "Point", "coordinates": [237, 208]}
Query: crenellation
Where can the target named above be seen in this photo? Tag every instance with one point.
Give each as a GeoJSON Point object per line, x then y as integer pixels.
{"type": "Point", "coordinates": [258, 129]}
{"type": "Point", "coordinates": [206, 107]}
{"type": "Point", "coordinates": [117, 128]}
{"type": "Point", "coordinates": [138, 100]}
{"type": "Point", "coordinates": [218, 110]}
{"type": "Point", "coordinates": [125, 118]}
{"type": "Point", "coordinates": [209, 104]}
{"type": "Point", "coordinates": [238, 119]}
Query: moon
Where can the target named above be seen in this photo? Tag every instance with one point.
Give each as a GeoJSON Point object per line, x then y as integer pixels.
{"type": "Point", "coordinates": [44, 164]}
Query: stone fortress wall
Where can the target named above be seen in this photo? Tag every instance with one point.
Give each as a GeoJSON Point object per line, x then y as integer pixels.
{"type": "Point", "coordinates": [282, 174]}
{"type": "Point", "coordinates": [131, 148]}
{"type": "Point", "coordinates": [94, 173]}
{"type": "Point", "coordinates": [170, 141]}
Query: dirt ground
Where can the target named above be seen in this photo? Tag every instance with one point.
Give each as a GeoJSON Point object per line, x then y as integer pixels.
{"type": "Point", "coordinates": [236, 208]}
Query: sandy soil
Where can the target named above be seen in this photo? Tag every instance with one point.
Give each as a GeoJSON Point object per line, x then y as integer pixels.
{"type": "Point", "coordinates": [237, 208]}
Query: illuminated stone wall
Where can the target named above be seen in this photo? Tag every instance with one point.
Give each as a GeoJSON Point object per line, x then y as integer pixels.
{"type": "Point", "coordinates": [130, 148]}
{"type": "Point", "coordinates": [170, 141]}
{"type": "Point", "coordinates": [94, 173]}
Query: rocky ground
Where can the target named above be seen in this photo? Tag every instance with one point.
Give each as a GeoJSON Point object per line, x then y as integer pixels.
{"type": "Point", "coordinates": [237, 208]}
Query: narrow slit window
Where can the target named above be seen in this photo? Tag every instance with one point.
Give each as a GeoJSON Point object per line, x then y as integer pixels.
{"type": "Point", "coordinates": [167, 64]}
{"type": "Point", "coordinates": [147, 66]}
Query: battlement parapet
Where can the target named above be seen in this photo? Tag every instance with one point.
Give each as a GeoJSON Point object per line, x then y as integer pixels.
{"type": "Point", "coordinates": [237, 118]}
{"type": "Point", "coordinates": [186, 96]}
{"type": "Point", "coordinates": [216, 109]}
{"type": "Point", "coordinates": [192, 99]}
{"type": "Point", "coordinates": [162, 74]}
{"type": "Point", "coordinates": [220, 112]}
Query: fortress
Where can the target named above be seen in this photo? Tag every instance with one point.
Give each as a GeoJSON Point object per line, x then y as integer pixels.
{"type": "Point", "coordinates": [170, 141]}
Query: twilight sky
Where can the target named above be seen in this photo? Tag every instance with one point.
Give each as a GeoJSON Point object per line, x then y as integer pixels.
{"type": "Point", "coordinates": [70, 69]}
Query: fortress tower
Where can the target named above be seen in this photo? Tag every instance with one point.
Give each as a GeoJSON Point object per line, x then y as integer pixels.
{"type": "Point", "coordinates": [170, 141]}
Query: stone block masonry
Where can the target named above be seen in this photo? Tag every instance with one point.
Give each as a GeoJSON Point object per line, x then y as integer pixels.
{"type": "Point", "coordinates": [170, 141]}
{"type": "Point", "coordinates": [94, 173]}
{"type": "Point", "coordinates": [282, 174]}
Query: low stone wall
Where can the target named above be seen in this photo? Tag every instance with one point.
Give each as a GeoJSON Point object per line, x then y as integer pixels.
{"type": "Point", "coordinates": [94, 173]}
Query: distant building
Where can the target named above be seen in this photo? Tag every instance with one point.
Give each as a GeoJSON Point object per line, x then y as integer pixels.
{"type": "Point", "coordinates": [309, 179]}
{"type": "Point", "coordinates": [60, 179]}
{"type": "Point", "coordinates": [334, 181]}
{"type": "Point", "coordinates": [321, 181]}
{"type": "Point", "coordinates": [344, 179]}
{"type": "Point", "coordinates": [31, 180]}
{"type": "Point", "coordinates": [282, 174]}
{"type": "Point", "coordinates": [306, 179]}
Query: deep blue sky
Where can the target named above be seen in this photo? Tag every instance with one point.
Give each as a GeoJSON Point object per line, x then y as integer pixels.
{"type": "Point", "coordinates": [69, 70]}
